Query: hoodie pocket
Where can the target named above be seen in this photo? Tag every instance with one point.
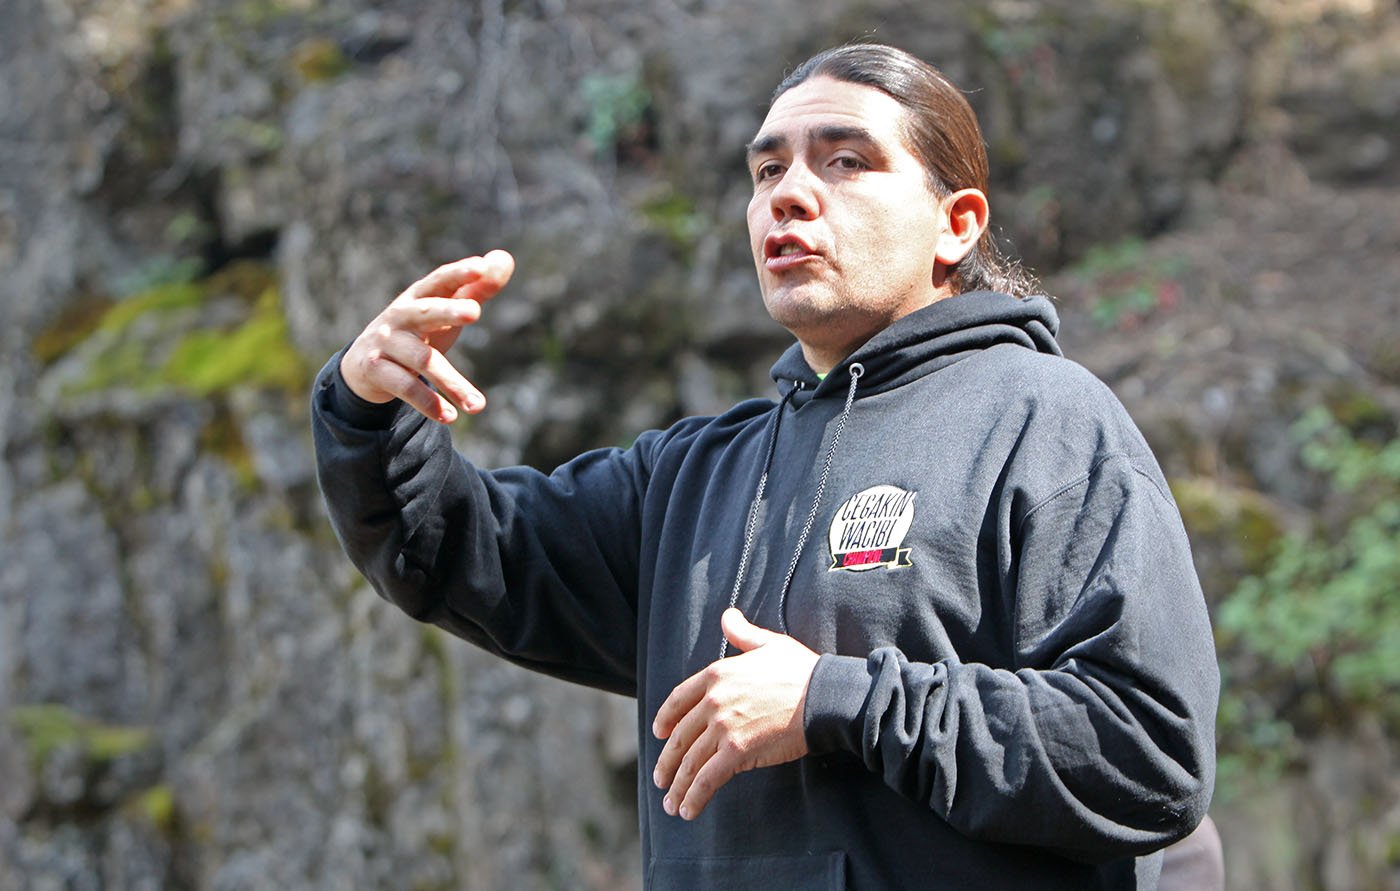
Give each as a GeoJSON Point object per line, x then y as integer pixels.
{"type": "Point", "coordinates": [817, 872]}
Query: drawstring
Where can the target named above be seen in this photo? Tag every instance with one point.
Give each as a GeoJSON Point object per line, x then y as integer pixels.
{"type": "Point", "coordinates": [856, 370]}
{"type": "Point", "coordinates": [753, 510]}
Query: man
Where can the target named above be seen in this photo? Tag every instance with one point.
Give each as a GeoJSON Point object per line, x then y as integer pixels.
{"type": "Point", "coordinates": [928, 621]}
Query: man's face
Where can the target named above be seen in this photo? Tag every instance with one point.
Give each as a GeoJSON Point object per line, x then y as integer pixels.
{"type": "Point", "coordinates": [842, 223]}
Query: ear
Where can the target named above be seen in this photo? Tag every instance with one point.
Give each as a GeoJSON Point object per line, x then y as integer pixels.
{"type": "Point", "coordinates": [965, 219]}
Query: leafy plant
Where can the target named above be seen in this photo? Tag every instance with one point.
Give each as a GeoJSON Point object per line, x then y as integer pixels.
{"type": "Point", "coordinates": [1317, 630]}
{"type": "Point", "coordinates": [1128, 284]}
{"type": "Point", "coordinates": [616, 104]}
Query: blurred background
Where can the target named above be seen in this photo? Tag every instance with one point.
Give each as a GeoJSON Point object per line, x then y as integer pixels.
{"type": "Point", "coordinates": [200, 202]}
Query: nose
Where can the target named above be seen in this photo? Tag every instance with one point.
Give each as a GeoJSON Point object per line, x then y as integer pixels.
{"type": "Point", "coordinates": [795, 195]}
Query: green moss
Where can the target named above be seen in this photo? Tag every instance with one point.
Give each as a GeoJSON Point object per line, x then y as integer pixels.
{"type": "Point", "coordinates": [1185, 42]}
{"type": "Point", "coordinates": [435, 643]}
{"type": "Point", "coordinates": [246, 279]}
{"type": "Point", "coordinates": [552, 349]}
{"type": "Point", "coordinates": [49, 727]}
{"type": "Point", "coordinates": [172, 350]}
{"type": "Point", "coordinates": [1358, 410]}
{"type": "Point", "coordinates": [259, 13]}
{"type": "Point", "coordinates": [256, 354]}
{"type": "Point", "coordinates": [1242, 517]}
{"type": "Point", "coordinates": [674, 214]}
{"type": "Point", "coordinates": [159, 299]}
{"type": "Point", "coordinates": [258, 136]}
{"type": "Point", "coordinates": [319, 59]}
{"type": "Point", "coordinates": [223, 437]}
{"type": "Point", "coordinates": [156, 805]}
{"type": "Point", "coordinates": [444, 844]}
{"type": "Point", "coordinates": [73, 326]}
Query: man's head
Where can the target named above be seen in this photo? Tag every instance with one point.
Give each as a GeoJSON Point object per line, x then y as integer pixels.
{"type": "Point", "coordinates": [941, 130]}
{"type": "Point", "coordinates": [870, 178]}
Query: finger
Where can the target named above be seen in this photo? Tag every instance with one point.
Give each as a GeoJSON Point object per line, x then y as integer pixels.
{"type": "Point", "coordinates": [444, 280]}
{"type": "Point", "coordinates": [744, 635]}
{"type": "Point", "coordinates": [682, 699]}
{"type": "Point", "coordinates": [499, 267]}
{"type": "Point", "coordinates": [679, 799]}
{"type": "Point", "coordinates": [489, 274]}
{"type": "Point", "coordinates": [429, 315]}
{"type": "Point", "coordinates": [448, 380]}
{"type": "Point", "coordinates": [393, 378]}
{"type": "Point", "coordinates": [682, 737]}
{"type": "Point", "coordinates": [421, 358]}
{"type": "Point", "coordinates": [717, 768]}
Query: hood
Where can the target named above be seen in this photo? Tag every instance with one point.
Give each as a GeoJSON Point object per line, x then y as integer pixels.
{"type": "Point", "coordinates": [926, 340]}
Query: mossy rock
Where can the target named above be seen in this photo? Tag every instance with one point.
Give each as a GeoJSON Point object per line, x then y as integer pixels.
{"type": "Point", "coordinates": [223, 332]}
{"type": "Point", "coordinates": [1240, 520]}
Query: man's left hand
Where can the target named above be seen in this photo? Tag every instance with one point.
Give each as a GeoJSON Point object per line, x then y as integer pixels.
{"type": "Point", "coordinates": [734, 715]}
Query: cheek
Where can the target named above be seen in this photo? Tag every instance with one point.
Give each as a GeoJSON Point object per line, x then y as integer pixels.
{"type": "Point", "coordinates": [757, 217]}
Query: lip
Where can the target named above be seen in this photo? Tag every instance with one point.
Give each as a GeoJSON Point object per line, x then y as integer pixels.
{"type": "Point", "coordinates": [776, 262]}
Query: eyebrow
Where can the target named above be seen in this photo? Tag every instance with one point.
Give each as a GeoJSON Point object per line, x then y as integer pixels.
{"type": "Point", "coordinates": [827, 134]}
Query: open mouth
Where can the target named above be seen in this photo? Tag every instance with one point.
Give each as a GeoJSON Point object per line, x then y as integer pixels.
{"type": "Point", "coordinates": [786, 247]}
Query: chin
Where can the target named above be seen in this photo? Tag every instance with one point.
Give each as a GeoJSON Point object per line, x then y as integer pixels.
{"type": "Point", "coordinates": [803, 307]}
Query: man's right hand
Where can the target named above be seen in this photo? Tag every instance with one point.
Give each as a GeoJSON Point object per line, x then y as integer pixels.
{"type": "Point", "coordinates": [410, 336]}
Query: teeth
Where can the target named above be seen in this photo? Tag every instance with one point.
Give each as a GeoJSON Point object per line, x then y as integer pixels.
{"type": "Point", "coordinates": [791, 247]}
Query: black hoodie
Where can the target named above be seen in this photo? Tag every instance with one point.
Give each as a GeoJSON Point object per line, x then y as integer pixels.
{"type": "Point", "coordinates": [1018, 685]}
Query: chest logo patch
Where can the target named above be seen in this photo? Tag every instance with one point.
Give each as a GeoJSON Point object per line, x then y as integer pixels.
{"type": "Point", "coordinates": [869, 528]}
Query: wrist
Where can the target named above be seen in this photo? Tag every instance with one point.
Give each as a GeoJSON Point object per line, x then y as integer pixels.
{"type": "Point", "coordinates": [354, 408]}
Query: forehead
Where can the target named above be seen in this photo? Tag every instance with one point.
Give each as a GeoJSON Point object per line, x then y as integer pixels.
{"type": "Point", "coordinates": [821, 101]}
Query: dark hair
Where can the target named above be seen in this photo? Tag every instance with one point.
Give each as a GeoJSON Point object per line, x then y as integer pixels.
{"type": "Point", "coordinates": [941, 130]}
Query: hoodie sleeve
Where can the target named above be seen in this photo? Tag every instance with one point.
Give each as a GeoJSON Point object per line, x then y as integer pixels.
{"type": "Point", "coordinates": [1100, 743]}
{"type": "Point", "coordinates": [540, 569]}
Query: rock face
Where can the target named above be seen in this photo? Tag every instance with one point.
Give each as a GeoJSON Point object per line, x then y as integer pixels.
{"type": "Point", "coordinates": [199, 203]}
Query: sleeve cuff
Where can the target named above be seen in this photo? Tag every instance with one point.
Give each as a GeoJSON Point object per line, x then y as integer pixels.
{"type": "Point", "coordinates": [345, 404]}
{"type": "Point", "coordinates": [835, 711]}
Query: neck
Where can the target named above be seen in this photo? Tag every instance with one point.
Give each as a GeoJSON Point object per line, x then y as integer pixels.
{"type": "Point", "coordinates": [826, 353]}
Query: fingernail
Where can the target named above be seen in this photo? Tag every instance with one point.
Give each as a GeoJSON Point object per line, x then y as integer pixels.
{"type": "Point", "coordinates": [656, 778]}
{"type": "Point", "coordinates": [685, 813]}
{"type": "Point", "coordinates": [474, 402]}
{"type": "Point", "coordinates": [668, 805]}
{"type": "Point", "coordinates": [449, 414]}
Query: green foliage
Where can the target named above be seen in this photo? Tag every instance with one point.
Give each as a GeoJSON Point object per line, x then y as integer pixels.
{"type": "Point", "coordinates": [50, 727]}
{"type": "Point", "coordinates": [616, 104]}
{"type": "Point", "coordinates": [675, 214]}
{"type": "Point", "coordinates": [1317, 630]}
{"type": "Point", "coordinates": [1128, 284]}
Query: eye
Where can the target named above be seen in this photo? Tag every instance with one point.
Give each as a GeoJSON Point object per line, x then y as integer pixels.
{"type": "Point", "coordinates": [849, 163]}
{"type": "Point", "coordinates": [767, 170]}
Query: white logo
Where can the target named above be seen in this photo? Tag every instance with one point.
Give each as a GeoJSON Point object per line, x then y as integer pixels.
{"type": "Point", "coordinates": [869, 528]}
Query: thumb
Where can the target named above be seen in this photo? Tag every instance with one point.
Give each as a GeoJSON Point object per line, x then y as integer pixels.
{"type": "Point", "coordinates": [744, 635]}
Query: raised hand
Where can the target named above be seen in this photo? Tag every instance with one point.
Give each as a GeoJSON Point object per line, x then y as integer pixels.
{"type": "Point", "coordinates": [409, 338]}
